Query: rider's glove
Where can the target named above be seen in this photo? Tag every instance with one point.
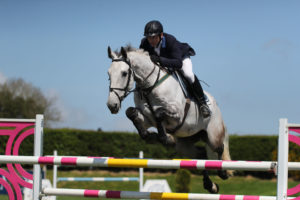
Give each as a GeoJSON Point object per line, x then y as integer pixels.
{"type": "Point", "coordinates": [155, 59]}
{"type": "Point", "coordinates": [171, 69]}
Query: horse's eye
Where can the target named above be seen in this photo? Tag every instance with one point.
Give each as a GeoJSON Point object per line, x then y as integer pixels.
{"type": "Point", "coordinates": [124, 74]}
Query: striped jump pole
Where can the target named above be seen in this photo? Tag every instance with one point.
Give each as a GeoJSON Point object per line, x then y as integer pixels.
{"type": "Point", "coordinates": [148, 163]}
{"type": "Point", "coordinates": [149, 195]}
{"type": "Point", "coordinates": [98, 179]}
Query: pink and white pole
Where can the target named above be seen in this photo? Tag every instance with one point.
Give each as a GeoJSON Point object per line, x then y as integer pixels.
{"type": "Point", "coordinates": [149, 195]}
{"type": "Point", "coordinates": [148, 163]}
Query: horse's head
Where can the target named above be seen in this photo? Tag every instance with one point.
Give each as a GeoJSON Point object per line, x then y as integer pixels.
{"type": "Point", "coordinates": [121, 80]}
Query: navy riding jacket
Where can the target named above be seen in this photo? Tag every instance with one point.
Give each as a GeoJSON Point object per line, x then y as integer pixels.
{"type": "Point", "coordinates": [172, 52]}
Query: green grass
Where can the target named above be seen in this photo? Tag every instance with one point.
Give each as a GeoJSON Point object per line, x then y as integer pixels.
{"type": "Point", "coordinates": [234, 185]}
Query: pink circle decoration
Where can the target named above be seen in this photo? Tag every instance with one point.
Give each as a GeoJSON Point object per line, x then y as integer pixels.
{"type": "Point", "coordinates": [17, 132]}
{"type": "Point", "coordinates": [296, 140]}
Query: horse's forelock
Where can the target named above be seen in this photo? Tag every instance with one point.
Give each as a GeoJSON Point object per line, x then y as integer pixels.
{"type": "Point", "coordinates": [143, 52]}
{"type": "Point", "coordinates": [128, 48]}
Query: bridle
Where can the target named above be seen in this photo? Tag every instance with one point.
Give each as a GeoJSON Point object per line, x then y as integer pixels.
{"type": "Point", "coordinates": [125, 89]}
{"type": "Point", "coordinates": [130, 72]}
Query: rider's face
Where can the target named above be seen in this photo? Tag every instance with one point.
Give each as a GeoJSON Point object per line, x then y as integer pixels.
{"type": "Point", "coordinates": [154, 40]}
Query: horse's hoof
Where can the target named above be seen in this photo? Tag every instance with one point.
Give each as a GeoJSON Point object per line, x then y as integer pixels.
{"type": "Point", "coordinates": [210, 186]}
{"type": "Point", "coordinates": [151, 137]}
{"type": "Point", "coordinates": [230, 173]}
{"type": "Point", "coordinates": [214, 189]}
{"type": "Point", "coordinates": [167, 140]}
{"type": "Point", "coordinates": [170, 141]}
{"type": "Point", "coordinates": [143, 136]}
{"type": "Point", "coordinates": [131, 113]}
{"type": "Point", "coordinates": [223, 174]}
{"type": "Point", "coordinates": [162, 140]}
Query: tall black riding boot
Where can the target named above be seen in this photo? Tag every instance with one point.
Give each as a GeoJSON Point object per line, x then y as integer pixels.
{"type": "Point", "coordinates": [199, 96]}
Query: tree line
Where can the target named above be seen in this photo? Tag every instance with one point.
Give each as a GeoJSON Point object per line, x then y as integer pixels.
{"type": "Point", "coordinates": [20, 99]}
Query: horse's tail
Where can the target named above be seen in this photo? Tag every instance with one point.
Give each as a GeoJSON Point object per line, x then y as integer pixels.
{"type": "Point", "coordinates": [226, 153]}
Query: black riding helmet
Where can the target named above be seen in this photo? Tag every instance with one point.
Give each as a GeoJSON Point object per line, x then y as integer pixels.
{"type": "Point", "coordinates": [153, 28]}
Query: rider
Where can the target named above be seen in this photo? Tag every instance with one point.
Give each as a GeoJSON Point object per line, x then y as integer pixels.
{"type": "Point", "coordinates": [164, 49]}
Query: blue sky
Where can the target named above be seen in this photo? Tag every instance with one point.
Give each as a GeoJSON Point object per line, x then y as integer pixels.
{"type": "Point", "coordinates": [247, 51]}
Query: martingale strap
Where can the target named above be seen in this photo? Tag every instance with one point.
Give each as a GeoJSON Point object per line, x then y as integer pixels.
{"type": "Point", "coordinates": [161, 80]}
{"type": "Point", "coordinates": [158, 81]}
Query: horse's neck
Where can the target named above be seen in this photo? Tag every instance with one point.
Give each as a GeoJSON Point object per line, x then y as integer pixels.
{"type": "Point", "coordinates": [169, 91]}
{"type": "Point", "coordinates": [146, 72]}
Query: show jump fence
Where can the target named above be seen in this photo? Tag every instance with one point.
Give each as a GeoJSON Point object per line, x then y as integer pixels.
{"type": "Point", "coordinates": [139, 179]}
{"type": "Point", "coordinates": [18, 130]}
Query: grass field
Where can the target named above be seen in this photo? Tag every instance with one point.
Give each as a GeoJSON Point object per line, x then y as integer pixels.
{"type": "Point", "coordinates": [234, 185]}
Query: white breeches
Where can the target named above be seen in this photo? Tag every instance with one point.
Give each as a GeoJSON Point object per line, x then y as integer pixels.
{"type": "Point", "coordinates": [187, 70]}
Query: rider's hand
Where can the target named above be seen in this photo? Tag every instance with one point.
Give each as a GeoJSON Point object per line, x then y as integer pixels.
{"type": "Point", "coordinates": [155, 59]}
{"type": "Point", "coordinates": [171, 70]}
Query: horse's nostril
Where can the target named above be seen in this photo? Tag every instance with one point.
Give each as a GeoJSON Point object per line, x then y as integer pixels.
{"type": "Point", "coordinates": [113, 107]}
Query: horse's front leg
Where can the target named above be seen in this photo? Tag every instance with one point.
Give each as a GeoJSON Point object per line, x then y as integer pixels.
{"type": "Point", "coordinates": [138, 120]}
{"type": "Point", "coordinates": [163, 136]}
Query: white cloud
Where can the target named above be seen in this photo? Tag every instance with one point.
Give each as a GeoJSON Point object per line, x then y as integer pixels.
{"type": "Point", "coordinates": [2, 78]}
{"type": "Point", "coordinates": [279, 46]}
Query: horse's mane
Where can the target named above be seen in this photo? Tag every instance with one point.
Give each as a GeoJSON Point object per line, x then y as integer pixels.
{"type": "Point", "coordinates": [129, 48]}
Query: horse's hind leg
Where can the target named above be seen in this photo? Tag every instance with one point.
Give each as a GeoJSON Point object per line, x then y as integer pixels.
{"type": "Point", "coordinates": [208, 184]}
{"type": "Point", "coordinates": [217, 155]}
{"type": "Point", "coordinates": [186, 148]}
{"type": "Point", "coordinates": [218, 147]}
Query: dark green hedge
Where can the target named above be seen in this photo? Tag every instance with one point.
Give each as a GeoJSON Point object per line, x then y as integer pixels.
{"type": "Point", "coordinates": [92, 143]}
{"type": "Point", "coordinates": [252, 148]}
{"type": "Point", "coordinates": [120, 144]}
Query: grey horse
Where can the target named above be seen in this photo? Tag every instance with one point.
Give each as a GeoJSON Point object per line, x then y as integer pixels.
{"type": "Point", "coordinates": [160, 102]}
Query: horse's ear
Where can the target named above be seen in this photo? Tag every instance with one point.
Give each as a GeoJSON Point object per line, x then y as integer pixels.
{"type": "Point", "coordinates": [109, 52]}
{"type": "Point", "coordinates": [123, 52]}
